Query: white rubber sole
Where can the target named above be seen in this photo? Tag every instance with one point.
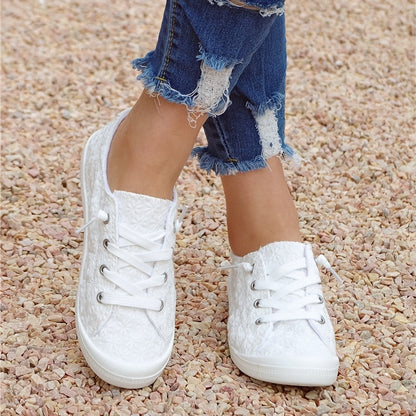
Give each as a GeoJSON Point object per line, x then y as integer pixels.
{"type": "Point", "coordinates": [299, 374]}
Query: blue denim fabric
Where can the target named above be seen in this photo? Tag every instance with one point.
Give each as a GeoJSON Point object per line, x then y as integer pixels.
{"type": "Point", "coordinates": [230, 63]}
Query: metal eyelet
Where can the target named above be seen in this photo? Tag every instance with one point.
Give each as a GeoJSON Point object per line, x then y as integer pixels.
{"type": "Point", "coordinates": [106, 242]}
{"type": "Point", "coordinates": [162, 305]}
{"type": "Point", "coordinates": [99, 297]}
{"type": "Point", "coordinates": [252, 269]}
{"type": "Point", "coordinates": [258, 321]}
{"type": "Point", "coordinates": [253, 285]}
{"type": "Point", "coordinates": [102, 268]}
{"type": "Point", "coordinates": [321, 299]}
{"type": "Point", "coordinates": [256, 303]}
{"type": "Point", "coordinates": [322, 320]}
{"type": "Point", "coordinates": [165, 277]}
{"type": "Point", "coordinates": [108, 219]}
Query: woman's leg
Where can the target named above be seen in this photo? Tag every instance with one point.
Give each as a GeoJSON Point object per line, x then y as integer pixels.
{"type": "Point", "coordinates": [151, 147]}
{"type": "Point", "coordinates": [260, 209]}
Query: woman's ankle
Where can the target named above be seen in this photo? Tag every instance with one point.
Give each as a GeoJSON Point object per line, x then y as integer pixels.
{"type": "Point", "coordinates": [130, 171]}
{"type": "Point", "coordinates": [151, 147]}
{"type": "Point", "coordinates": [260, 209]}
{"type": "Point", "coordinates": [241, 247]}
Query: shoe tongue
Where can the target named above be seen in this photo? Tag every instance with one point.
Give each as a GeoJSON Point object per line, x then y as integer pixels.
{"type": "Point", "coordinates": [282, 252]}
{"type": "Point", "coordinates": [142, 212]}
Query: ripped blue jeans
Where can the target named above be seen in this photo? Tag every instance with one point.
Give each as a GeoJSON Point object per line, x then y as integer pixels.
{"type": "Point", "coordinates": [226, 59]}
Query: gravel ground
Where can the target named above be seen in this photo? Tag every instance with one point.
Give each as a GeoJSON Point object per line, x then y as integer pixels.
{"type": "Point", "coordinates": [350, 114]}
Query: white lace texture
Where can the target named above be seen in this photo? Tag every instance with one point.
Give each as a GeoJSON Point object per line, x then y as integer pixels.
{"type": "Point", "coordinates": [148, 251]}
{"type": "Point", "coordinates": [287, 284]}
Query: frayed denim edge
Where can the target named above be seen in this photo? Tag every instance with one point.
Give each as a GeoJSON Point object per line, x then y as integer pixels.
{"type": "Point", "coordinates": [271, 106]}
{"type": "Point", "coordinates": [211, 95]}
{"type": "Point", "coordinates": [275, 102]}
{"type": "Point", "coordinates": [278, 10]}
{"type": "Point", "coordinates": [155, 86]}
{"type": "Point", "coordinates": [209, 163]}
{"type": "Point", "coordinates": [216, 62]}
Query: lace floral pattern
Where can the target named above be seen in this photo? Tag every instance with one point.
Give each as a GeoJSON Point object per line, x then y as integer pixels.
{"type": "Point", "coordinates": [248, 337]}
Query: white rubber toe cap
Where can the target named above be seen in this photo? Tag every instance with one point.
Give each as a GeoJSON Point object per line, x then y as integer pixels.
{"type": "Point", "coordinates": [115, 371]}
{"type": "Point", "coordinates": [289, 370]}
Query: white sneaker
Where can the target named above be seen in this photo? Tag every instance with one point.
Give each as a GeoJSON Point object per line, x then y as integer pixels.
{"type": "Point", "coordinates": [125, 308]}
{"type": "Point", "coordinates": [279, 330]}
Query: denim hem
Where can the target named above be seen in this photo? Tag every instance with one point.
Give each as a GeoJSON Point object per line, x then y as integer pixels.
{"type": "Point", "coordinates": [266, 11]}
{"type": "Point", "coordinates": [275, 102]}
{"type": "Point", "coordinates": [208, 162]}
{"type": "Point", "coordinates": [215, 71]}
{"type": "Point", "coordinates": [155, 86]}
{"type": "Point", "coordinates": [216, 62]}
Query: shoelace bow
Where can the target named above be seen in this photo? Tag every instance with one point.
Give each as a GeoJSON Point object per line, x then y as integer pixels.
{"type": "Point", "coordinates": [297, 306]}
{"type": "Point", "coordinates": [151, 252]}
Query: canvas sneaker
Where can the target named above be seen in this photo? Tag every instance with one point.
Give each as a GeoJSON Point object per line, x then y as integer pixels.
{"type": "Point", "coordinates": [279, 329]}
{"type": "Point", "coordinates": [125, 306]}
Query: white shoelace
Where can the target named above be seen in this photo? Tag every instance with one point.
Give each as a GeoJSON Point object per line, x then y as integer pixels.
{"type": "Point", "coordinates": [287, 284]}
{"type": "Point", "coordinates": [149, 243]}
